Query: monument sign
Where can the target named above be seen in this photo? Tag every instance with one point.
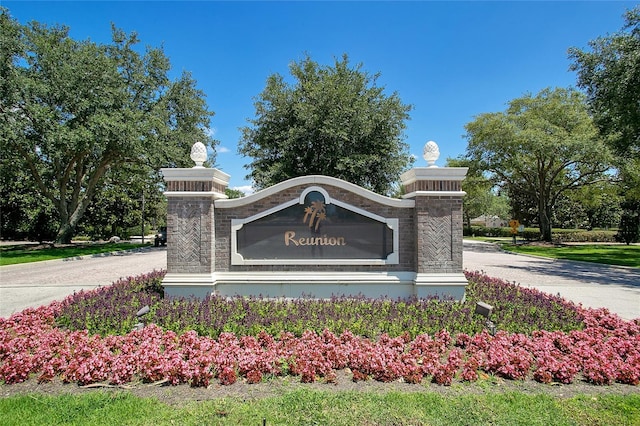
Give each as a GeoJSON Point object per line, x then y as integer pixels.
{"type": "Point", "coordinates": [315, 236]}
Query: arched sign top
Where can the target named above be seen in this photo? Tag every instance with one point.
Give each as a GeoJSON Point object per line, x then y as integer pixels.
{"type": "Point", "coordinates": [314, 229]}
{"type": "Point", "coordinates": [309, 192]}
{"type": "Point", "coordinates": [314, 180]}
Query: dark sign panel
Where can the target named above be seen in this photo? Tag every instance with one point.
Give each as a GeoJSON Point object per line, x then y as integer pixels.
{"type": "Point", "coordinates": [314, 230]}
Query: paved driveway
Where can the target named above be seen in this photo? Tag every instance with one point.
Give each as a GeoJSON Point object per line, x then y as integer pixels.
{"type": "Point", "coordinates": [592, 285]}
{"type": "Point", "coordinates": [39, 283]}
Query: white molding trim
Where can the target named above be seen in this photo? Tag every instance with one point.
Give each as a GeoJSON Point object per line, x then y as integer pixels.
{"type": "Point", "coordinates": [435, 194]}
{"type": "Point", "coordinates": [195, 174]}
{"type": "Point", "coordinates": [315, 180]}
{"type": "Point", "coordinates": [433, 173]}
{"type": "Point", "coordinates": [318, 284]}
{"type": "Point", "coordinates": [440, 279]}
{"type": "Point", "coordinates": [237, 259]}
{"type": "Point", "coordinates": [337, 278]}
{"type": "Point", "coordinates": [325, 194]}
{"type": "Point", "coordinates": [188, 279]}
{"type": "Point", "coordinates": [208, 194]}
{"type": "Point", "coordinates": [247, 277]}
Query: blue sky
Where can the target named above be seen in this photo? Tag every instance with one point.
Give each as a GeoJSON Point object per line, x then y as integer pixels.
{"type": "Point", "coordinates": [450, 60]}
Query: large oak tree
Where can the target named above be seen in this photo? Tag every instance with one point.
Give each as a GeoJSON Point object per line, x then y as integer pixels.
{"type": "Point", "coordinates": [609, 71]}
{"type": "Point", "coordinates": [332, 120]}
{"type": "Point", "coordinates": [480, 197]}
{"type": "Point", "coordinates": [73, 111]}
{"type": "Point", "coordinates": [539, 148]}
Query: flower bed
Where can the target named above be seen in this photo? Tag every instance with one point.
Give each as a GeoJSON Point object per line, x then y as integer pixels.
{"type": "Point", "coordinates": [605, 350]}
{"type": "Point", "coordinates": [111, 310]}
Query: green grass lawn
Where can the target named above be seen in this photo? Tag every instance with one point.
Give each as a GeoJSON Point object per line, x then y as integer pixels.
{"type": "Point", "coordinates": [10, 255]}
{"type": "Point", "coordinates": [621, 255]}
{"type": "Point", "coordinates": [314, 407]}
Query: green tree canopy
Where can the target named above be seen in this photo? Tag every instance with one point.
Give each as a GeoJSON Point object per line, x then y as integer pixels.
{"type": "Point", "coordinates": [540, 147]}
{"type": "Point", "coordinates": [333, 120]}
{"type": "Point", "coordinates": [592, 206]}
{"type": "Point", "coordinates": [480, 198]}
{"type": "Point", "coordinates": [610, 74]}
{"type": "Point", "coordinates": [72, 111]}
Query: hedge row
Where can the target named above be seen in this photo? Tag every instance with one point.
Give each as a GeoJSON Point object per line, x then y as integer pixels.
{"type": "Point", "coordinates": [558, 235]}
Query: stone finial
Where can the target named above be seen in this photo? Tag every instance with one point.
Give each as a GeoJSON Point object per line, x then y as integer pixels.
{"type": "Point", "coordinates": [198, 154]}
{"type": "Point", "coordinates": [431, 153]}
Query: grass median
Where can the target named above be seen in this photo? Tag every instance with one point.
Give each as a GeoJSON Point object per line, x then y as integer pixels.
{"type": "Point", "coordinates": [10, 255]}
{"type": "Point", "coordinates": [610, 254]}
{"type": "Point", "coordinates": [310, 407]}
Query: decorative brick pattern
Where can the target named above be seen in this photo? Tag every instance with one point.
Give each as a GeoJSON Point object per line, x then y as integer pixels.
{"type": "Point", "coordinates": [190, 234]}
{"type": "Point", "coordinates": [439, 244]}
{"type": "Point", "coordinates": [438, 228]}
{"type": "Point", "coordinates": [187, 238]}
{"type": "Point", "coordinates": [433, 185]}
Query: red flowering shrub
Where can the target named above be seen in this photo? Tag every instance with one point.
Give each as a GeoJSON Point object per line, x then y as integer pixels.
{"type": "Point", "coordinates": [470, 368]}
{"type": "Point", "coordinates": [444, 374]}
{"type": "Point", "coordinates": [552, 363]}
{"type": "Point", "coordinates": [629, 371]}
{"type": "Point", "coordinates": [607, 350]}
{"type": "Point", "coordinates": [227, 376]}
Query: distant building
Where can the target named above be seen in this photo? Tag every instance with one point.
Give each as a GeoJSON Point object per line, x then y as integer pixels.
{"type": "Point", "coordinates": [489, 221]}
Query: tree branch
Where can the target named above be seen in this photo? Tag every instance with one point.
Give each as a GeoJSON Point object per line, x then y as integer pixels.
{"type": "Point", "coordinates": [34, 172]}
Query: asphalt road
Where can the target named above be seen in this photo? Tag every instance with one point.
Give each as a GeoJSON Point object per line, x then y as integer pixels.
{"type": "Point", "coordinates": [617, 289]}
{"type": "Point", "coordinates": [592, 285]}
{"type": "Point", "coordinates": [39, 283]}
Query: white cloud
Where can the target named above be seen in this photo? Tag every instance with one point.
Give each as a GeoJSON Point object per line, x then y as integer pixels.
{"type": "Point", "coordinates": [246, 189]}
{"type": "Point", "coordinates": [222, 150]}
{"type": "Point", "coordinates": [210, 131]}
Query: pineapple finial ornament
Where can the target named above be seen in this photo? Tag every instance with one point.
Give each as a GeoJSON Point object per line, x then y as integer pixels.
{"type": "Point", "coordinates": [431, 153]}
{"type": "Point", "coordinates": [198, 154]}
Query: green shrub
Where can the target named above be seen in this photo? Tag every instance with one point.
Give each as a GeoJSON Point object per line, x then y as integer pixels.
{"type": "Point", "coordinates": [629, 227]}
{"type": "Point", "coordinates": [530, 234]}
{"type": "Point", "coordinates": [582, 236]}
{"type": "Point", "coordinates": [483, 231]}
{"type": "Point", "coordinates": [558, 235]}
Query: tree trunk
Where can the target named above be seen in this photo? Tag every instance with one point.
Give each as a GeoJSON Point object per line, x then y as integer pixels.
{"type": "Point", "coordinates": [69, 221]}
{"type": "Point", "coordinates": [65, 233]}
{"type": "Point", "coordinates": [467, 218]}
{"type": "Point", "coordinates": [71, 210]}
{"type": "Point", "coordinates": [544, 217]}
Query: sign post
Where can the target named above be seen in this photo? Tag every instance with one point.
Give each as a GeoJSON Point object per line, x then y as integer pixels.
{"type": "Point", "coordinates": [515, 225]}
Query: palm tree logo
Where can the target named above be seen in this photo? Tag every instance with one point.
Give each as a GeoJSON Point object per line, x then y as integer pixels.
{"type": "Point", "coordinates": [315, 213]}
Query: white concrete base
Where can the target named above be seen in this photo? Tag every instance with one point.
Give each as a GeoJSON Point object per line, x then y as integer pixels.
{"type": "Point", "coordinates": [443, 285]}
{"type": "Point", "coordinates": [188, 285]}
{"type": "Point", "coordinates": [318, 285]}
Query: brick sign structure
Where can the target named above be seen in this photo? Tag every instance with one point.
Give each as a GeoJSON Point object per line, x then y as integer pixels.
{"type": "Point", "coordinates": [315, 236]}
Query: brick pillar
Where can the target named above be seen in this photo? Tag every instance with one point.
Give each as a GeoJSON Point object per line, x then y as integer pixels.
{"type": "Point", "coordinates": [438, 226]}
{"type": "Point", "coordinates": [191, 194]}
